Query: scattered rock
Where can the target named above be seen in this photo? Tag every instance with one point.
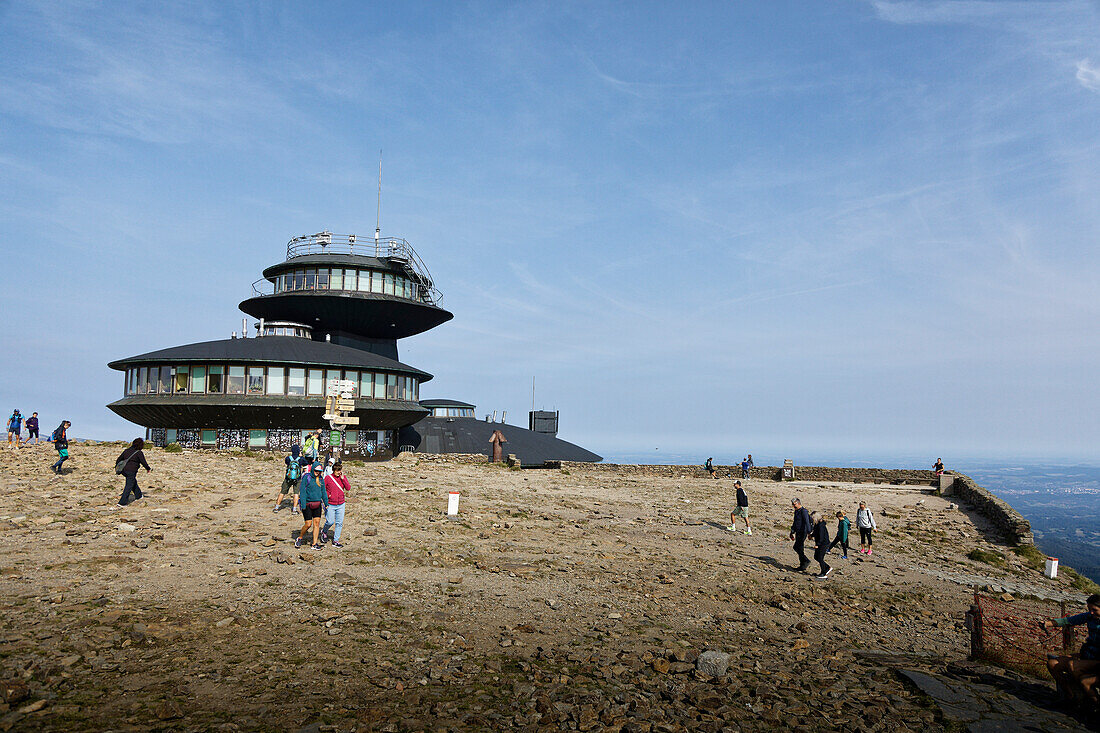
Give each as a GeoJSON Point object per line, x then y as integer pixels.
{"type": "Point", "coordinates": [713, 663]}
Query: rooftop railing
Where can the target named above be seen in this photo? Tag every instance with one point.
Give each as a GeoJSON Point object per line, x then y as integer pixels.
{"type": "Point", "coordinates": [394, 249]}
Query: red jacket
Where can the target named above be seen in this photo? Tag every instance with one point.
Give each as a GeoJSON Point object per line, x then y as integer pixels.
{"type": "Point", "coordinates": [336, 486]}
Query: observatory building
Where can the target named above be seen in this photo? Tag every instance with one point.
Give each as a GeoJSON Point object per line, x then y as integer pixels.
{"type": "Point", "coordinates": [333, 310]}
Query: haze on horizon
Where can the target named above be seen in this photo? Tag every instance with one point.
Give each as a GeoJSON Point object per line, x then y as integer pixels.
{"type": "Point", "coordinates": [853, 227]}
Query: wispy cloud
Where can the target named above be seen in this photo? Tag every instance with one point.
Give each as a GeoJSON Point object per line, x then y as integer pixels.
{"type": "Point", "coordinates": [1088, 75]}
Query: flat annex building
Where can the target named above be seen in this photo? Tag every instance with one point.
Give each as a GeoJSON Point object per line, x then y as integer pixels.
{"type": "Point", "coordinates": [333, 310]}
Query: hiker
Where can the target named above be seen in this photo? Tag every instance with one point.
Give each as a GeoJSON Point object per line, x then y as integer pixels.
{"type": "Point", "coordinates": [32, 428]}
{"type": "Point", "coordinates": [821, 540]}
{"type": "Point", "coordinates": [127, 464]}
{"type": "Point", "coordinates": [745, 466]}
{"type": "Point", "coordinates": [1082, 669]}
{"type": "Point", "coordinates": [311, 446]}
{"type": "Point", "coordinates": [15, 427]}
{"type": "Point", "coordinates": [799, 530]}
{"type": "Point", "coordinates": [336, 488]}
{"type": "Point", "coordinates": [60, 442]}
{"type": "Point", "coordinates": [741, 510]}
{"type": "Point", "coordinates": [938, 467]}
{"type": "Point", "coordinates": [291, 478]}
{"type": "Point", "coordinates": [312, 498]}
{"type": "Point", "coordinates": [865, 523]}
{"type": "Point", "coordinates": [709, 465]}
{"type": "Point", "coordinates": [842, 526]}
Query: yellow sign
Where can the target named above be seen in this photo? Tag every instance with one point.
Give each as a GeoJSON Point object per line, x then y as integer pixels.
{"type": "Point", "coordinates": [339, 420]}
{"type": "Point", "coordinates": [345, 405]}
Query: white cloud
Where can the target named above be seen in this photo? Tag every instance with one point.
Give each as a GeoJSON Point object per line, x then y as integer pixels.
{"type": "Point", "coordinates": [1088, 75]}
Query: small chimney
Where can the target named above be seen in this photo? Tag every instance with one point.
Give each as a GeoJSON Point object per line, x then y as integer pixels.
{"type": "Point", "coordinates": [234, 334]}
{"type": "Point", "coordinates": [244, 328]}
{"type": "Point", "coordinates": [328, 338]}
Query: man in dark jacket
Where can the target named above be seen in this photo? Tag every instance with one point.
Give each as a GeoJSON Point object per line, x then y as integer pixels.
{"type": "Point", "coordinates": [799, 531]}
{"type": "Point", "coordinates": [133, 458]}
{"type": "Point", "coordinates": [32, 428]}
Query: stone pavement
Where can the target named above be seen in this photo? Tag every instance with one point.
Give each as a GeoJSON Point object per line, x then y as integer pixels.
{"type": "Point", "coordinates": [984, 699]}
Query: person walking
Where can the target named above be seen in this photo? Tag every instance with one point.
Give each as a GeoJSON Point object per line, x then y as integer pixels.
{"type": "Point", "coordinates": [60, 442]}
{"type": "Point", "coordinates": [32, 428]}
{"type": "Point", "coordinates": [843, 524]}
{"type": "Point", "coordinates": [745, 465]}
{"type": "Point", "coordinates": [800, 529]}
{"type": "Point", "coordinates": [865, 523]}
{"type": "Point", "coordinates": [336, 488]}
{"type": "Point", "coordinates": [1080, 672]}
{"type": "Point", "coordinates": [821, 540]}
{"type": "Point", "coordinates": [311, 446]}
{"type": "Point", "coordinates": [709, 465]}
{"type": "Point", "coordinates": [15, 428]}
{"type": "Point", "coordinates": [291, 477]}
{"type": "Point", "coordinates": [312, 497]}
{"type": "Point", "coordinates": [741, 510]}
{"type": "Point", "coordinates": [127, 464]}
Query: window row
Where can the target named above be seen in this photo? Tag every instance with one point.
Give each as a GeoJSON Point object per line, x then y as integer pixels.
{"type": "Point", "coordinates": [452, 412]}
{"type": "Point", "coordinates": [259, 438]}
{"type": "Point", "coordinates": [363, 281]}
{"type": "Point", "coordinates": [266, 380]}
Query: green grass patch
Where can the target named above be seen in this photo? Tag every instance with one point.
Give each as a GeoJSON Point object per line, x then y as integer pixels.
{"type": "Point", "coordinates": [989, 557]}
{"type": "Point", "coordinates": [1032, 556]}
{"type": "Point", "coordinates": [173, 448]}
{"type": "Point", "coordinates": [1080, 582]}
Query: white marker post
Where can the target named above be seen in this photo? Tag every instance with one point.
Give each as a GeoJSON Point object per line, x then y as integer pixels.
{"type": "Point", "coordinates": [452, 504]}
{"type": "Point", "coordinates": [1052, 568]}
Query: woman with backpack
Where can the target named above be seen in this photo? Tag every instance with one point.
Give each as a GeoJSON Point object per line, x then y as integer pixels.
{"type": "Point", "coordinates": [61, 444]}
{"type": "Point", "coordinates": [127, 465]}
{"type": "Point", "coordinates": [312, 498]}
{"type": "Point", "coordinates": [291, 478]}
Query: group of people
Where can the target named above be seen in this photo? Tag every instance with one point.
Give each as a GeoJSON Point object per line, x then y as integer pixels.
{"type": "Point", "coordinates": [746, 464]}
{"type": "Point", "coordinates": [318, 489]}
{"type": "Point", "coordinates": [59, 437]}
{"type": "Point", "coordinates": [806, 525]}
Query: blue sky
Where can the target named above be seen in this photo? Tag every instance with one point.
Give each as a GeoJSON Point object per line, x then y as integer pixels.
{"type": "Point", "coordinates": [805, 228]}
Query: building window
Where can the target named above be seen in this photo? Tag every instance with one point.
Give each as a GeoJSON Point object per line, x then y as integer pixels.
{"type": "Point", "coordinates": [364, 281]}
{"type": "Point", "coordinates": [215, 380]}
{"type": "Point", "coordinates": [165, 380]}
{"type": "Point", "coordinates": [375, 282]}
{"type": "Point", "coordinates": [142, 378]}
{"type": "Point", "coordinates": [388, 283]}
{"type": "Point", "coordinates": [349, 280]}
{"type": "Point", "coordinates": [353, 377]}
{"type": "Point", "coordinates": [311, 279]}
{"type": "Point", "coordinates": [351, 437]}
{"type": "Point", "coordinates": [198, 379]}
{"type": "Point", "coordinates": [235, 383]}
{"type": "Point", "coordinates": [171, 435]}
{"type": "Point", "coordinates": [330, 375]}
{"type": "Point", "coordinates": [296, 382]}
{"type": "Point", "coordinates": [255, 380]}
{"type": "Point", "coordinates": [416, 390]}
{"type": "Point", "coordinates": [365, 380]}
{"type": "Point", "coordinates": [257, 438]}
{"type": "Point", "coordinates": [299, 280]}
{"type": "Point", "coordinates": [276, 381]}
{"type": "Point", "coordinates": [391, 386]}
{"type": "Point", "coordinates": [209, 437]}
{"type": "Point", "coordinates": [337, 279]}
{"type": "Point", "coordinates": [379, 386]}
{"type": "Point", "coordinates": [316, 383]}
{"type": "Point", "coordinates": [322, 279]}
{"type": "Point", "coordinates": [182, 375]}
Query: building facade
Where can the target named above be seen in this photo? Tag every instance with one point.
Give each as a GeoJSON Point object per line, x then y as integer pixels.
{"type": "Point", "coordinates": [334, 309]}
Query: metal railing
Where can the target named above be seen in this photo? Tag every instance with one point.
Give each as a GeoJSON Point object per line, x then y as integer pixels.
{"type": "Point", "coordinates": [394, 249]}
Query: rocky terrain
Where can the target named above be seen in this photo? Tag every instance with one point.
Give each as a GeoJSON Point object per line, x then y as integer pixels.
{"type": "Point", "coordinates": [558, 600]}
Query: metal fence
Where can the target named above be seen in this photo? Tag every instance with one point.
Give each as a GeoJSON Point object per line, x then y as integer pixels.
{"type": "Point", "coordinates": [1008, 633]}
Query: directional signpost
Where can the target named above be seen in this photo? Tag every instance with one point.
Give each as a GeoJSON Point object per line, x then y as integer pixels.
{"type": "Point", "coordinates": [340, 401]}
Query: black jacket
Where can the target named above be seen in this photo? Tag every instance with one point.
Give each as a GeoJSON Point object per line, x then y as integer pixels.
{"type": "Point", "coordinates": [801, 524]}
{"type": "Point", "coordinates": [742, 498]}
{"type": "Point", "coordinates": [134, 458]}
{"type": "Point", "coordinates": [61, 441]}
{"type": "Point", "coordinates": [821, 535]}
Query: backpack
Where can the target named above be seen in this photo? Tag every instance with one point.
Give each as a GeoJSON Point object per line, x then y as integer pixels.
{"type": "Point", "coordinates": [294, 470]}
{"type": "Point", "coordinates": [120, 464]}
{"type": "Point", "coordinates": [53, 437]}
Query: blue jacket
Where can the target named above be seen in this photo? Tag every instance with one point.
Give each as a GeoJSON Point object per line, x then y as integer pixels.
{"type": "Point", "coordinates": [1091, 648]}
{"type": "Point", "coordinates": [802, 525]}
{"type": "Point", "coordinates": [310, 489]}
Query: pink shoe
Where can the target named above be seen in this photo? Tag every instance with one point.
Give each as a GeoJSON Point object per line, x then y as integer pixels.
{"type": "Point", "coordinates": [870, 552]}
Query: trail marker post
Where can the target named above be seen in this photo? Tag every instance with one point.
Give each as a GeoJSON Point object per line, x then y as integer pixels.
{"type": "Point", "coordinates": [452, 504]}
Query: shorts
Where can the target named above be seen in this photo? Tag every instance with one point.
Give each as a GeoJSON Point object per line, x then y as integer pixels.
{"type": "Point", "coordinates": [290, 487]}
{"type": "Point", "coordinates": [308, 514]}
{"type": "Point", "coordinates": [32, 434]}
{"type": "Point", "coordinates": [741, 511]}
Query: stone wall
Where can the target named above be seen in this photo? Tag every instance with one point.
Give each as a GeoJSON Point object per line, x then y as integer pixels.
{"type": "Point", "coordinates": [994, 508]}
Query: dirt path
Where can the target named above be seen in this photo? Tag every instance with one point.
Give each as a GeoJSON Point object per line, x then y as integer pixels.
{"type": "Point", "coordinates": [557, 601]}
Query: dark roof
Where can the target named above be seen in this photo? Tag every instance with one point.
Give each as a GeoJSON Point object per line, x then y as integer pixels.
{"type": "Point", "coordinates": [445, 403]}
{"type": "Point", "coordinates": [272, 349]}
{"type": "Point", "coordinates": [470, 435]}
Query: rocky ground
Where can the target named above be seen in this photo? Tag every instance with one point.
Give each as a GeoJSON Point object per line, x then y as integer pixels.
{"type": "Point", "coordinates": [558, 600]}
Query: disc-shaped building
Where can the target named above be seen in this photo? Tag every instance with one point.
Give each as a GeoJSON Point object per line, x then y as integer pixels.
{"type": "Point", "coordinates": [333, 310]}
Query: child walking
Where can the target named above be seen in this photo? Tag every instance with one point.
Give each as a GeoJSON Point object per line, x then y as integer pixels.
{"type": "Point", "coordinates": [742, 510]}
{"type": "Point", "coordinates": [865, 522]}
{"type": "Point", "coordinates": [842, 526]}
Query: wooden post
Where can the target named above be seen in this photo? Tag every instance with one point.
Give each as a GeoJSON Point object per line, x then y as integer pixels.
{"type": "Point", "coordinates": [1067, 631]}
{"type": "Point", "coordinates": [974, 623]}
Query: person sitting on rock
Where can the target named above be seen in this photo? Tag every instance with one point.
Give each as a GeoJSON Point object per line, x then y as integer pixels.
{"type": "Point", "coordinates": [800, 529]}
{"type": "Point", "coordinates": [821, 540]}
{"type": "Point", "coordinates": [938, 467]}
{"type": "Point", "coordinates": [1079, 674]}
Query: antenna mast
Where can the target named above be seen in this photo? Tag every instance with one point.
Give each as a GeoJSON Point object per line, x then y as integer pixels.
{"type": "Point", "coordinates": [532, 393]}
{"type": "Point", "coordinates": [378, 218]}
